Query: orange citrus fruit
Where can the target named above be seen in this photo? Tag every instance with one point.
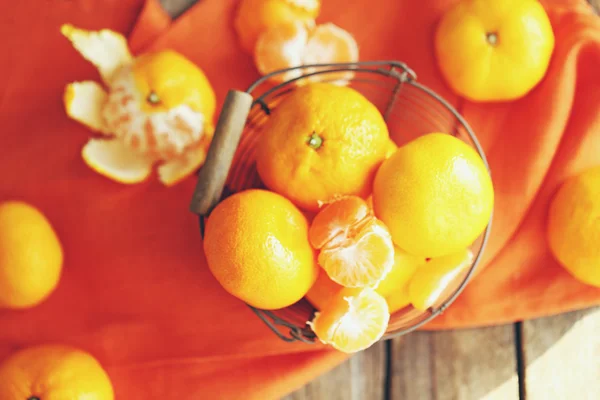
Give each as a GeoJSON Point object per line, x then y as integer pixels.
{"type": "Point", "coordinates": [158, 109]}
{"type": "Point", "coordinates": [355, 248]}
{"type": "Point", "coordinates": [49, 372]}
{"type": "Point", "coordinates": [353, 321]}
{"type": "Point", "coordinates": [432, 281]}
{"type": "Point", "coordinates": [322, 141]}
{"type": "Point", "coordinates": [494, 50]}
{"type": "Point", "coordinates": [573, 229]}
{"type": "Point", "coordinates": [254, 17]}
{"type": "Point", "coordinates": [323, 290]}
{"type": "Point", "coordinates": [31, 256]}
{"type": "Point", "coordinates": [394, 287]}
{"type": "Point", "coordinates": [256, 245]}
{"type": "Point", "coordinates": [434, 194]}
{"type": "Point", "coordinates": [391, 148]}
{"type": "Point", "coordinates": [295, 43]}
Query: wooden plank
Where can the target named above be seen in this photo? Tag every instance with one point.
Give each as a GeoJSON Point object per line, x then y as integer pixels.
{"type": "Point", "coordinates": [362, 377]}
{"type": "Point", "coordinates": [562, 356]}
{"type": "Point", "coordinates": [475, 364]}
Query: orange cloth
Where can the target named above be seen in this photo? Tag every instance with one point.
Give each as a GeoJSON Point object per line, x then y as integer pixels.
{"type": "Point", "coordinates": [136, 291]}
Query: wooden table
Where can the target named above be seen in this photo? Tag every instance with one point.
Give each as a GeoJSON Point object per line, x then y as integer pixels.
{"type": "Point", "coordinates": [555, 358]}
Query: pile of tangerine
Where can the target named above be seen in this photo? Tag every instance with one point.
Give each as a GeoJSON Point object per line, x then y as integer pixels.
{"type": "Point", "coordinates": [357, 225]}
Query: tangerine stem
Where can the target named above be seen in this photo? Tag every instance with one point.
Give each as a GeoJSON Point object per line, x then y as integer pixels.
{"type": "Point", "coordinates": [314, 141]}
{"type": "Point", "coordinates": [153, 98]}
{"type": "Point", "coordinates": [492, 38]}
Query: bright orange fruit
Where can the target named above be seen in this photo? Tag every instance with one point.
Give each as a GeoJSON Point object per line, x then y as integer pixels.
{"type": "Point", "coordinates": [394, 287]}
{"type": "Point", "coordinates": [323, 291]}
{"type": "Point", "coordinates": [355, 248]}
{"type": "Point", "coordinates": [297, 43]}
{"type": "Point", "coordinates": [31, 256]}
{"type": "Point", "coordinates": [353, 321]}
{"type": "Point", "coordinates": [256, 245]}
{"type": "Point", "coordinates": [431, 282]}
{"type": "Point", "coordinates": [573, 229]}
{"type": "Point", "coordinates": [254, 17]}
{"type": "Point", "coordinates": [322, 141]}
{"type": "Point", "coordinates": [494, 50]}
{"type": "Point", "coordinates": [157, 108]}
{"type": "Point", "coordinates": [434, 194]}
{"type": "Point", "coordinates": [48, 372]}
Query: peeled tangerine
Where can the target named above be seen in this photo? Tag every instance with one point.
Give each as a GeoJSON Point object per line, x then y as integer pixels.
{"type": "Point", "coordinates": [394, 287]}
{"type": "Point", "coordinates": [254, 17]}
{"type": "Point", "coordinates": [431, 282]}
{"type": "Point", "coordinates": [297, 43]}
{"type": "Point", "coordinates": [353, 320]}
{"type": "Point", "coordinates": [356, 248]}
{"type": "Point", "coordinates": [158, 109]}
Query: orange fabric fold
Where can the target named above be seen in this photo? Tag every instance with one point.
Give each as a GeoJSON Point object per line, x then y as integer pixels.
{"type": "Point", "coordinates": [136, 291]}
{"type": "Point", "coordinates": [151, 22]}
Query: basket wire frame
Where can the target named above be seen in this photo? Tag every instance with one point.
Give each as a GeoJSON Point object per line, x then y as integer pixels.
{"type": "Point", "coordinates": [393, 77]}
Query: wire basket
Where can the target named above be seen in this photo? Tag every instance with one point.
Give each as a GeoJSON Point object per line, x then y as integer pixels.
{"type": "Point", "coordinates": [410, 110]}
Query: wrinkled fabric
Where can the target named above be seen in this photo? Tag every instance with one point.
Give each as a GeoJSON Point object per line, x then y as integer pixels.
{"type": "Point", "coordinates": [136, 291]}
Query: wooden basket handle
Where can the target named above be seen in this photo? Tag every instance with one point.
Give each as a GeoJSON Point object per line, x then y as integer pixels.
{"type": "Point", "coordinates": [213, 174]}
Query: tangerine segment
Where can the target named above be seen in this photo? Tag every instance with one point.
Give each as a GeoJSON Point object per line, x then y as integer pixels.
{"type": "Point", "coordinates": [105, 49]}
{"type": "Point", "coordinates": [394, 287]}
{"type": "Point", "coordinates": [431, 282]}
{"type": "Point", "coordinates": [328, 43]}
{"type": "Point", "coordinates": [254, 17]}
{"type": "Point", "coordinates": [356, 248]}
{"type": "Point", "coordinates": [281, 47]}
{"type": "Point", "coordinates": [363, 259]}
{"type": "Point", "coordinates": [335, 220]}
{"type": "Point", "coordinates": [353, 321]}
{"type": "Point", "coordinates": [297, 43]}
{"type": "Point", "coordinates": [323, 290]}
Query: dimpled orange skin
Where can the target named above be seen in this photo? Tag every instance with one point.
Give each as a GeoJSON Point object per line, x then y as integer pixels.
{"type": "Point", "coordinates": [176, 81]}
{"type": "Point", "coordinates": [321, 142]}
{"type": "Point", "coordinates": [494, 50]}
{"type": "Point", "coordinates": [256, 245]}
{"type": "Point", "coordinates": [256, 16]}
{"type": "Point", "coordinates": [434, 194]}
{"type": "Point", "coordinates": [53, 372]}
{"type": "Point", "coordinates": [573, 229]}
{"type": "Point", "coordinates": [31, 256]}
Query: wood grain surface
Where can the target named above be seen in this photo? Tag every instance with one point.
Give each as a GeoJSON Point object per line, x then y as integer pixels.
{"type": "Point", "coordinates": [552, 358]}
{"type": "Point", "coordinates": [467, 364]}
{"type": "Point", "coordinates": [562, 355]}
{"type": "Point", "coordinates": [361, 377]}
